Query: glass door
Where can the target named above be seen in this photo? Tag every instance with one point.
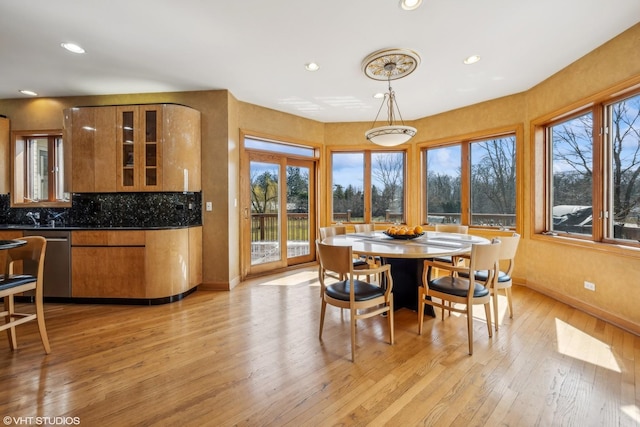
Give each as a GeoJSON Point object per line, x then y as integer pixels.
{"type": "Point", "coordinates": [278, 212]}
{"type": "Point", "coordinates": [300, 218]}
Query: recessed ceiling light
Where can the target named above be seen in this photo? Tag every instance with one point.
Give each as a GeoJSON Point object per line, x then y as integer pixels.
{"type": "Point", "coordinates": [378, 95]}
{"type": "Point", "coordinates": [472, 59]}
{"type": "Point", "coordinates": [28, 92]}
{"type": "Point", "coordinates": [72, 47]}
{"type": "Point", "coordinates": [410, 4]}
{"type": "Point", "coordinates": [311, 66]}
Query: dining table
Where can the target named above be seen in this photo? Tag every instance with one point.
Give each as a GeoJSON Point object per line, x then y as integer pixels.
{"type": "Point", "coordinates": [406, 257]}
{"type": "Point", "coordinates": [9, 244]}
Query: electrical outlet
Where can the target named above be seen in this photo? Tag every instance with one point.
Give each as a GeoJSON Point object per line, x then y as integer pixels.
{"type": "Point", "coordinates": [209, 206]}
{"type": "Point", "coordinates": [589, 285]}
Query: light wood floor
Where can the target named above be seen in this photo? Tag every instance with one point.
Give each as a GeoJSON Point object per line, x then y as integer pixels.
{"type": "Point", "coordinates": [251, 357]}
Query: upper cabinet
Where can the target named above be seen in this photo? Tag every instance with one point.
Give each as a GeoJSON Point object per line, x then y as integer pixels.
{"type": "Point", "coordinates": [134, 148]}
{"type": "Point", "coordinates": [139, 148]}
{"type": "Point", "coordinates": [91, 132]}
{"type": "Point", "coordinates": [5, 157]}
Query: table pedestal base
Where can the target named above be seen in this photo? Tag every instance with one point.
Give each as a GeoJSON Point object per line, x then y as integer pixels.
{"type": "Point", "coordinates": [407, 277]}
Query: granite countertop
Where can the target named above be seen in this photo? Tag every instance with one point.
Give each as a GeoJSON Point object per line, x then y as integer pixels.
{"type": "Point", "coordinates": [72, 228]}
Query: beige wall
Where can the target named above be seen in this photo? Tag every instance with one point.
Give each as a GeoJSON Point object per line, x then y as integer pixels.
{"type": "Point", "coordinates": [550, 265]}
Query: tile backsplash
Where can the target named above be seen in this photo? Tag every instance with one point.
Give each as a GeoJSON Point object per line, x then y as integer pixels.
{"type": "Point", "coordinates": [114, 210]}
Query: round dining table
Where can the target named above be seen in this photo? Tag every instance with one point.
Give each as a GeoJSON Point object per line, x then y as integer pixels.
{"type": "Point", "coordinates": [9, 244]}
{"type": "Point", "coordinates": [406, 257]}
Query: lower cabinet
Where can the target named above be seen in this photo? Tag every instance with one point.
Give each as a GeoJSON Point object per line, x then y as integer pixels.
{"type": "Point", "coordinates": [147, 264]}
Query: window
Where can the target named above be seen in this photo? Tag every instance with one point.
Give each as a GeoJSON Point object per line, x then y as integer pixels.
{"type": "Point", "coordinates": [593, 172]}
{"type": "Point", "coordinates": [622, 153]}
{"type": "Point", "coordinates": [444, 165]}
{"type": "Point", "coordinates": [480, 191]}
{"type": "Point", "coordinates": [493, 182]}
{"type": "Point", "coordinates": [368, 186]}
{"type": "Point", "coordinates": [38, 165]}
{"type": "Point", "coordinates": [571, 148]}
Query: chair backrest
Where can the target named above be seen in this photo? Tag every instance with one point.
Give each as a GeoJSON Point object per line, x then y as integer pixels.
{"type": "Point", "coordinates": [485, 257]}
{"type": "Point", "coordinates": [32, 257]}
{"type": "Point", "coordinates": [361, 228]}
{"type": "Point", "coordinates": [338, 259]}
{"type": "Point", "coordinates": [508, 249]}
{"type": "Point", "coordinates": [332, 231]}
{"type": "Point", "coordinates": [453, 228]}
{"type": "Point", "coordinates": [509, 246]}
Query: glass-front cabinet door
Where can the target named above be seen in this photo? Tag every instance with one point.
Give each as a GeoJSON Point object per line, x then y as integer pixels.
{"type": "Point", "coordinates": [139, 152]}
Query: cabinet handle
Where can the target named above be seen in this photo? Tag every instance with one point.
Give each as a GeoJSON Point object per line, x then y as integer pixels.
{"type": "Point", "coordinates": [246, 213]}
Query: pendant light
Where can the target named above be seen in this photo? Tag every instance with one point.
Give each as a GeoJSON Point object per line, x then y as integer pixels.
{"type": "Point", "coordinates": [390, 64]}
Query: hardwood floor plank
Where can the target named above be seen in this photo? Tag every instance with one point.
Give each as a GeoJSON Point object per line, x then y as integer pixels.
{"type": "Point", "coordinates": [251, 357]}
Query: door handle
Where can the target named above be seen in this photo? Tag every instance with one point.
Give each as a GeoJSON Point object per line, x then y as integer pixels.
{"type": "Point", "coordinates": [246, 213]}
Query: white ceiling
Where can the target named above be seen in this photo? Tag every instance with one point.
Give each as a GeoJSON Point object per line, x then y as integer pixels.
{"type": "Point", "coordinates": [257, 49]}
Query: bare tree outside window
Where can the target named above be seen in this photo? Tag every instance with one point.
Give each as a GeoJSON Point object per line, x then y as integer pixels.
{"type": "Point", "coordinates": [623, 136]}
{"type": "Point", "coordinates": [387, 192]}
{"type": "Point", "coordinates": [443, 184]}
{"type": "Point", "coordinates": [493, 182]}
{"type": "Point", "coordinates": [572, 166]}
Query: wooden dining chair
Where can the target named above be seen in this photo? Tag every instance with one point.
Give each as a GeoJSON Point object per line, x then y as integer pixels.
{"type": "Point", "coordinates": [363, 228]}
{"type": "Point", "coordinates": [26, 258]}
{"type": "Point", "coordinates": [508, 249]}
{"type": "Point", "coordinates": [362, 299]}
{"type": "Point", "coordinates": [461, 290]}
{"type": "Point", "coordinates": [359, 262]}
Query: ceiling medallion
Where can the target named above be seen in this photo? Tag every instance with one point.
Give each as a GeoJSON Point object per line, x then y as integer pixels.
{"type": "Point", "coordinates": [390, 64]}
{"type": "Point", "coordinates": [376, 66]}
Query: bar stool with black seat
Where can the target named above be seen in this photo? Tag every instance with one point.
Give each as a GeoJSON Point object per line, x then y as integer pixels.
{"type": "Point", "coordinates": [460, 290]}
{"type": "Point", "coordinates": [31, 258]}
{"type": "Point", "coordinates": [362, 299]}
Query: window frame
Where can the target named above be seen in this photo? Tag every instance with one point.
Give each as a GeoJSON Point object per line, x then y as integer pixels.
{"type": "Point", "coordinates": [598, 105]}
{"type": "Point", "coordinates": [367, 182]}
{"type": "Point", "coordinates": [20, 169]}
{"type": "Point", "coordinates": [465, 141]}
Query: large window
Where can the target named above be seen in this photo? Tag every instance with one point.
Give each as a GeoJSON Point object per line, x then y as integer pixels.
{"type": "Point", "coordinates": [472, 182]}
{"type": "Point", "coordinates": [38, 166]}
{"type": "Point", "coordinates": [368, 186]}
{"type": "Point", "coordinates": [593, 173]}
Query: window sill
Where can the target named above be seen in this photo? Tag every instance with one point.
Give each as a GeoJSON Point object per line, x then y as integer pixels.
{"type": "Point", "coordinates": [617, 249]}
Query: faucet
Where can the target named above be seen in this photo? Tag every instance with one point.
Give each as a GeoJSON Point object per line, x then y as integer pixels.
{"type": "Point", "coordinates": [35, 216]}
{"type": "Point", "coordinates": [52, 217]}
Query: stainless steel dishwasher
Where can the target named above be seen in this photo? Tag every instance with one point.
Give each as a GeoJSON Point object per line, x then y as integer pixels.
{"type": "Point", "coordinates": [57, 261]}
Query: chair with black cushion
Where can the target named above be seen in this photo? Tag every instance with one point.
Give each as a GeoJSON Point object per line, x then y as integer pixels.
{"type": "Point", "coordinates": [508, 249]}
{"type": "Point", "coordinates": [458, 290]}
{"type": "Point", "coordinates": [362, 299]}
{"type": "Point", "coordinates": [26, 258]}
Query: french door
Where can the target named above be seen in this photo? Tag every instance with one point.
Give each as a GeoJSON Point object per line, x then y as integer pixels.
{"type": "Point", "coordinates": [278, 214]}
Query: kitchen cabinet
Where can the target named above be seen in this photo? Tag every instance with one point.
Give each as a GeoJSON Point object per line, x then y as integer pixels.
{"type": "Point", "coordinates": [139, 148]}
{"type": "Point", "coordinates": [91, 131]}
{"type": "Point", "coordinates": [127, 148]}
{"type": "Point", "coordinates": [5, 156]}
{"type": "Point", "coordinates": [136, 264]}
{"type": "Point", "coordinates": [108, 264]}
